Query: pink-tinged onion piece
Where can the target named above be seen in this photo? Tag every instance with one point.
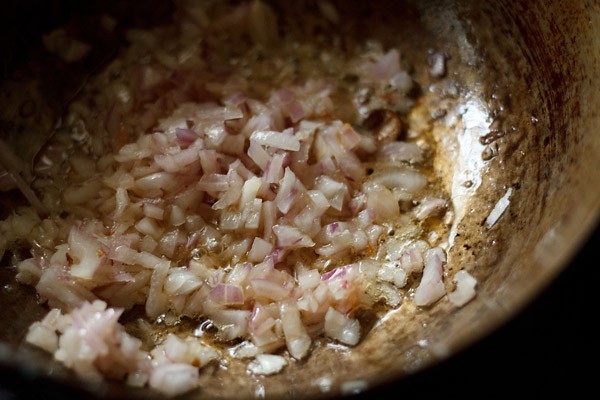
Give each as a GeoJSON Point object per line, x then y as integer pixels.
{"type": "Point", "coordinates": [259, 250]}
{"type": "Point", "coordinates": [258, 154]}
{"type": "Point", "coordinates": [384, 68]}
{"type": "Point", "coordinates": [91, 341]}
{"type": "Point", "coordinates": [227, 294]}
{"type": "Point", "coordinates": [291, 237]}
{"type": "Point", "coordinates": [290, 105]}
{"type": "Point", "coordinates": [267, 364]}
{"type": "Point", "coordinates": [185, 137]}
{"type": "Point", "coordinates": [430, 207]}
{"type": "Point", "coordinates": [431, 288]}
{"type": "Point", "coordinates": [263, 327]}
{"type": "Point", "coordinates": [181, 281]}
{"type": "Point", "coordinates": [400, 178]}
{"type": "Point", "coordinates": [296, 337]}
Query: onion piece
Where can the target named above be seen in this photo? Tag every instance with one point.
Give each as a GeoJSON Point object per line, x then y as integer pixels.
{"type": "Point", "coordinates": [382, 202]}
{"type": "Point", "coordinates": [214, 183]}
{"type": "Point", "coordinates": [259, 250]}
{"type": "Point", "coordinates": [288, 191]}
{"type": "Point", "coordinates": [281, 140]}
{"type": "Point", "coordinates": [398, 151]}
{"type": "Point", "coordinates": [174, 379]}
{"type": "Point", "coordinates": [402, 178]}
{"type": "Point", "coordinates": [232, 323]}
{"type": "Point", "coordinates": [181, 281]}
{"type": "Point", "coordinates": [430, 207]}
{"type": "Point", "coordinates": [267, 364]}
{"type": "Point", "coordinates": [431, 288]}
{"type": "Point", "coordinates": [498, 209]}
{"type": "Point", "coordinates": [262, 326]}
{"type": "Point", "coordinates": [268, 289]}
{"type": "Point", "coordinates": [258, 154]}
{"type": "Point", "coordinates": [158, 302]}
{"type": "Point", "coordinates": [465, 288]}
{"type": "Point", "coordinates": [42, 336]}
{"type": "Point", "coordinates": [291, 237]}
{"type": "Point", "coordinates": [87, 253]}
{"type": "Point", "coordinates": [273, 170]}
{"type": "Point", "coordinates": [335, 192]}
{"type": "Point", "coordinates": [385, 67]}
{"type": "Point", "coordinates": [244, 350]}
{"type": "Point", "coordinates": [348, 137]}
{"type": "Point", "coordinates": [227, 294]}
{"type": "Point", "coordinates": [209, 160]}
{"type": "Point", "coordinates": [185, 137]}
{"type": "Point", "coordinates": [341, 328]}
{"type": "Point", "coordinates": [292, 107]}
{"type": "Point", "coordinates": [436, 62]}
{"type": "Point", "coordinates": [296, 337]}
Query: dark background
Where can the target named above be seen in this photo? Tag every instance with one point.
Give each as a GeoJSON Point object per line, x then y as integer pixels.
{"type": "Point", "coordinates": [550, 348]}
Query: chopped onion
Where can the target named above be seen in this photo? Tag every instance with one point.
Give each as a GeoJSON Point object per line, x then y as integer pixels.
{"type": "Point", "coordinates": [181, 281]}
{"type": "Point", "coordinates": [401, 178]}
{"type": "Point", "coordinates": [174, 379]}
{"type": "Point", "coordinates": [227, 294]}
{"type": "Point", "coordinates": [43, 337]}
{"type": "Point", "coordinates": [465, 288]}
{"type": "Point", "coordinates": [87, 253]}
{"type": "Point", "coordinates": [269, 218]}
{"type": "Point", "coordinates": [296, 337]}
{"type": "Point", "coordinates": [291, 237]}
{"type": "Point", "coordinates": [498, 209]}
{"type": "Point", "coordinates": [399, 151]}
{"type": "Point", "coordinates": [281, 140]}
{"type": "Point", "coordinates": [382, 202]}
{"type": "Point", "coordinates": [386, 67]}
{"type": "Point", "coordinates": [267, 364]}
{"type": "Point", "coordinates": [430, 207]}
{"type": "Point", "coordinates": [431, 288]}
{"type": "Point", "coordinates": [265, 288]}
{"type": "Point", "coordinates": [214, 183]}
{"type": "Point", "coordinates": [342, 328]}
{"type": "Point", "coordinates": [259, 250]}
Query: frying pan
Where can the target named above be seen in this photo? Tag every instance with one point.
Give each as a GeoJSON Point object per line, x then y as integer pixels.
{"type": "Point", "coordinates": [526, 106]}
